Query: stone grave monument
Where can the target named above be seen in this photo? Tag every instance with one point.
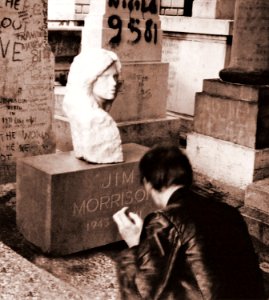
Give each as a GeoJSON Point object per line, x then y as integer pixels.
{"type": "Point", "coordinates": [65, 201]}
{"type": "Point", "coordinates": [65, 205]}
{"type": "Point", "coordinates": [26, 84]}
{"type": "Point", "coordinates": [132, 30]}
{"type": "Point", "coordinates": [231, 126]}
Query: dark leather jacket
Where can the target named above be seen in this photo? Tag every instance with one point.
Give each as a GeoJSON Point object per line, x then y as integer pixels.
{"type": "Point", "coordinates": [193, 249]}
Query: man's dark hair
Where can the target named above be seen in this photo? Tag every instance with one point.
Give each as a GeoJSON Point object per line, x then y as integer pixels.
{"type": "Point", "coordinates": [165, 165]}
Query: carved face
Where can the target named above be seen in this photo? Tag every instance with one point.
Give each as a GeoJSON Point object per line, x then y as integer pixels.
{"type": "Point", "coordinates": [105, 88]}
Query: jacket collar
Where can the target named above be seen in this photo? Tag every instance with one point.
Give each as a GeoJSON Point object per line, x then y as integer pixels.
{"type": "Point", "coordinates": [178, 196]}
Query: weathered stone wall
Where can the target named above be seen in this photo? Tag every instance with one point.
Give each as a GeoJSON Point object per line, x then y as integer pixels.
{"type": "Point", "coordinates": [26, 84]}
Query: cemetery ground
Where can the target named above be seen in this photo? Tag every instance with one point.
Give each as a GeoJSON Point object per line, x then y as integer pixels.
{"type": "Point", "coordinates": [26, 273]}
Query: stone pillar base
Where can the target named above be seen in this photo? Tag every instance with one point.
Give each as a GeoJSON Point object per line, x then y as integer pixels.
{"type": "Point", "coordinates": [225, 161]}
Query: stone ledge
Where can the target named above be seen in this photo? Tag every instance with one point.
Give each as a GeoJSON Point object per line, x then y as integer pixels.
{"type": "Point", "coordinates": [240, 92]}
{"type": "Point", "coordinates": [196, 25]}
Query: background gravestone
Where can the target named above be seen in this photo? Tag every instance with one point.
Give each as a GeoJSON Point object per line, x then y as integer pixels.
{"type": "Point", "coordinates": [26, 84]}
{"type": "Point", "coordinates": [233, 147]}
{"type": "Point", "coordinates": [132, 29]}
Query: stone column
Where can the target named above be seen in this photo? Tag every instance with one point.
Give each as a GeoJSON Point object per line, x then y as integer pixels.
{"type": "Point", "coordinates": [26, 84]}
{"type": "Point", "coordinates": [250, 49]}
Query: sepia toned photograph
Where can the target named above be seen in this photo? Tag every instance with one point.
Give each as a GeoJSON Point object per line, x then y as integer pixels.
{"type": "Point", "coordinates": [134, 149]}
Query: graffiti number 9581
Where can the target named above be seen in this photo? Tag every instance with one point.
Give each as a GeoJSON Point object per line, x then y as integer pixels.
{"type": "Point", "coordinates": [150, 34]}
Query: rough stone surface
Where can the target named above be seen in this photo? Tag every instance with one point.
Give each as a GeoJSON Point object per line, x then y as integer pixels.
{"type": "Point", "coordinates": [238, 124]}
{"type": "Point", "coordinates": [245, 121]}
{"type": "Point", "coordinates": [26, 84]}
{"type": "Point", "coordinates": [65, 205]}
{"type": "Point", "coordinates": [20, 279]}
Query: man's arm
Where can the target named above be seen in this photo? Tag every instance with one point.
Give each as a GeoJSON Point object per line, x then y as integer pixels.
{"type": "Point", "coordinates": [145, 268]}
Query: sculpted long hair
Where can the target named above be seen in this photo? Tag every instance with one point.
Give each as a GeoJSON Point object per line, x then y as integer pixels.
{"type": "Point", "coordinates": [165, 165]}
{"type": "Point", "coordinates": [84, 71]}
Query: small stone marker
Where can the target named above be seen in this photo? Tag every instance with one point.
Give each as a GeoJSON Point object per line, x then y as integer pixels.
{"type": "Point", "coordinates": [65, 205]}
{"type": "Point", "coordinates": [26, 84]}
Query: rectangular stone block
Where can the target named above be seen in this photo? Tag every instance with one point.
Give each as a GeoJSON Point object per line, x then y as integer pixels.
{"type": "Point", "coordinates": [227, 162]}
{"type": "Point", "coordinates": [65, 205]}
{"type": "Point", "coordinates": [234, 113]}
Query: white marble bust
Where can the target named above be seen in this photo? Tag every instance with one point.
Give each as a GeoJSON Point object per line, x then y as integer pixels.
{"type": "Point", "coordinates": [91, 89]}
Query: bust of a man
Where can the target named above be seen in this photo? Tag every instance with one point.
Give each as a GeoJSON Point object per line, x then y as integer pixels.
{"type": "Point", "coordinates": [91, 89]}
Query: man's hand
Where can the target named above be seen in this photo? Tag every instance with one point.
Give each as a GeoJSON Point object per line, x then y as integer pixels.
{"type": "Point", "coordinates": [129, 226]}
